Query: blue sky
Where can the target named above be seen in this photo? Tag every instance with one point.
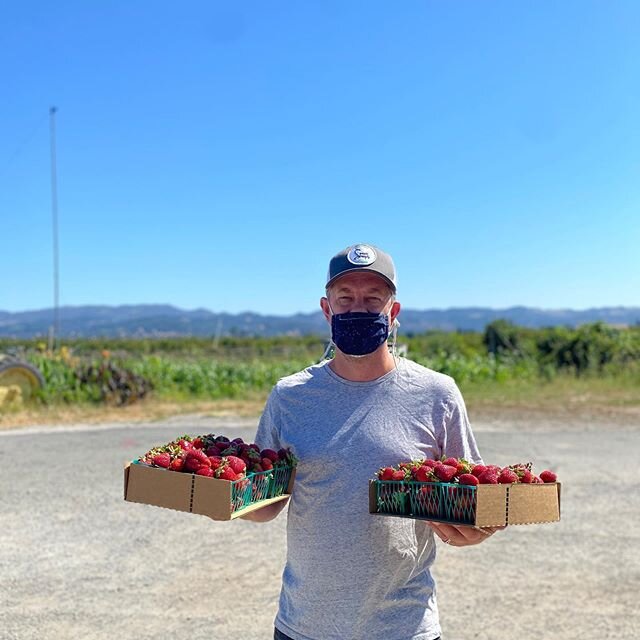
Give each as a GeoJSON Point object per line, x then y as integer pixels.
{"type": "Point", "coordinates": [217, 154]}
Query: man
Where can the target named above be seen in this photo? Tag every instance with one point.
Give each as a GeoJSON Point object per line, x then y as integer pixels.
{"type": "Point", "coordinates": [351, 575]}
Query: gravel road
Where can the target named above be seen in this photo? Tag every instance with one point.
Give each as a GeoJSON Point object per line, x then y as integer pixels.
{"type": "Point", "coordinates": [77, 562]}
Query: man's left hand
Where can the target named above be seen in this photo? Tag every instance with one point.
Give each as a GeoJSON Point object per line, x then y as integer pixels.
{"type": "Point", "coordinates": [462, 536]}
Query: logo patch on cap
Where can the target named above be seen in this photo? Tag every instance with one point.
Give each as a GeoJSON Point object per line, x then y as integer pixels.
{"type": "Point", "coordinates": [361, 255]}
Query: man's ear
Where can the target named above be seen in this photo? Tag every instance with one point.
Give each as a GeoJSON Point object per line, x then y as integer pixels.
{"type": "Point", "coordinates": [324, 305]}
{"type": "Point", "coordinates": [394, 311]}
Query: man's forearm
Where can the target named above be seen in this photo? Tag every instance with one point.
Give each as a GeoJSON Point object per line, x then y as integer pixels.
{"type": "Point", "coordinates": [266, 513]}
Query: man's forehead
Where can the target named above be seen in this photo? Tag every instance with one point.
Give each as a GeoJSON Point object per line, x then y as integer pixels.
{"type": "Point", "coordinates": [360, 280]}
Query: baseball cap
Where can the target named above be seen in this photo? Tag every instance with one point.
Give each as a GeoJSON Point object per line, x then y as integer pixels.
{"type": "Point", "coordinates": [362, 257]}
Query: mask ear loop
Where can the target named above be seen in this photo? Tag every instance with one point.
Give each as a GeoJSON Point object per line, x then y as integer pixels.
{"type": "Point", "coordinates": [394, 340]}
{"type": "Point", "coordinates": [327, 352]}
{"type": "Point", "coordinates": [330, 345]}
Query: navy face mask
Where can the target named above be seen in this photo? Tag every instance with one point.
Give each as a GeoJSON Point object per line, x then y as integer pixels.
{"type": "Point", "coordinates": [358, 333]}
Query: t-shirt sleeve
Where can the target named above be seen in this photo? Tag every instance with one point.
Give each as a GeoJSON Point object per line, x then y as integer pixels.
{"type": "Point", "coordinates": [459, 441]}
{"type": "Point", "coordinates": [268, 434]}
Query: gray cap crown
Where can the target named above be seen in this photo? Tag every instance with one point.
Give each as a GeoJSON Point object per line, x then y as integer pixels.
{"type": "Point", "coordinates": [362, 257]}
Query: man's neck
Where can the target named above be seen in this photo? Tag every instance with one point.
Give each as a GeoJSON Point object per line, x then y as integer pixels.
{"type": "Point", "coordinates": [364, 369]}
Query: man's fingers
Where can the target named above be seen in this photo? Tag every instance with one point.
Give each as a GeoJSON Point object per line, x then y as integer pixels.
{"type": "Point", "coordinates": [438, 530]}
{"type": "Point", "coordinates": [470, 534]}
{"type": "Point", "coordinates": [451, 534]}
{"type": "Point", "coordinates": [462, 535]}
{"type": "Point", "coordinates": [487, 531]}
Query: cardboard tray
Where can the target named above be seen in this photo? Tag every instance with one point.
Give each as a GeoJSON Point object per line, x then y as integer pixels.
{"type": "Point", "coordinates": [499, 505]}
{"type": "Point", "coordinates": [188, 492]}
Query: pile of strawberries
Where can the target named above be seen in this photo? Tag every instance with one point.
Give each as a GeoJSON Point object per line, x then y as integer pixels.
{"type": "Point", "coordinates": [460, 471]}
{"type": "Point", "coordinates": [217, 457]}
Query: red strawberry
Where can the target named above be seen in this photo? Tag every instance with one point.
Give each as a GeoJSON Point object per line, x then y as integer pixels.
{"type": "Point", "coordinates": [398, 475]}
{"type": "Point", "coordinates": [231, 450]}
{"type": "Point", "coordinates": [464, 466]}
{"type": "Point", "coordinates": [252, 457]}
{"type": "Point", "coordinates": [216, 461]}
{"type": "Point", "coordinates": [429, 463]}
{"type": "Point", "coordinates": [478, 470]}
{"type": "Point", "coordinates": [205, 471]}
{"type": "Point", "coordinates": [537, 480]}
{"type": "Point", "coordinates": [445, 472]}
{"type": "Point", "coordinates": [185, 444]}
{"type": "Point", "coordinates": [452, 462]}
{"type": "Point", "coordinates": [285, 458]}
{"type": "Point", "coordinates": [269, 453]}
{"type": "Point", "coordinates": [267, 464]}
{"type": "Point", "coordinates": [226, 473]}
{"type": "Point", "coordinates": [386, 473]}
{"type": "Point", "coordinates": [548, 476]}
{"type": "Point", "coordinates": [237, 464]}
{"type": "Point", "coordinates": [526, 476]}
{"type": "Point", "coordinates": [191, 465]}
{"type": "Point", "coordinates": [423, 474]}
{"type": "Point", "coordinates": [162, 460]}
{"type": "Point", "coordinates": [468, 479]}
{"type": "Point", "coordinates": [488, 476]}
{"type": "Point", "coordinates": [507, 476]}
{"type": "Point", "coordinates": [199, 455]}
{"type": "Point", "coordinates": [197, 442]}
{"type": "Point", "coordinates": [177, 464]}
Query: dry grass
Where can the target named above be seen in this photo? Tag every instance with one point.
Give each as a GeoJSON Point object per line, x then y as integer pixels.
{"type": "Point", "coordinates": [616, 399]}
{"type": "Point", "coordinates": [613, 399]}
{"type": "Point", "coordinates": [146, 411]}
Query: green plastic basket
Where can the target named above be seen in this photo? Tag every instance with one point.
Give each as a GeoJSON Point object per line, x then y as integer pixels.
{"type": "Point", "coordinates": [392, 497]}
{"type": "Point", "coordinates": [259, 486]}
{"type": "Point", "coordinates": [280, 481]}
{"type": "Point", "coordinates": [459, 503]}
{"type": "Point", "coordinates": [442, 501]}
{"type": "Point", "coordinates": [425, 499]}
{"type": "Point", "coordinates": [241, 491]}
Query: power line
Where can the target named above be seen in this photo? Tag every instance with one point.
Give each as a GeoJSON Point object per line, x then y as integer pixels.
{"type": "Point", "coordinates": [54, 216]}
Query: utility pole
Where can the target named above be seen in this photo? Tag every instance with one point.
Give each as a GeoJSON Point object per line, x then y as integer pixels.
{"type": "Point", "coordinates": [54, 215]}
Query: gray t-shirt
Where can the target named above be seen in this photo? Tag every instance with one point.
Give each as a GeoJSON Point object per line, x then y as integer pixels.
{"type": "Point", "coordinates": [350, 575]}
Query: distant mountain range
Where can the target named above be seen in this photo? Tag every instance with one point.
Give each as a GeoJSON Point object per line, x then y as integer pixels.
{"type": "Point", "coordinates": [166, 320]}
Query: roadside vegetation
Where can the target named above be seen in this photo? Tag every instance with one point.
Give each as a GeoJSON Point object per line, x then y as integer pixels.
{"type": "Point", "coordinates": [504, 367]}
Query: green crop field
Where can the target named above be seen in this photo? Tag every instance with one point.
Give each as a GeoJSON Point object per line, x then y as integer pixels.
{"type": "Point", "coordinates": [504, 366]}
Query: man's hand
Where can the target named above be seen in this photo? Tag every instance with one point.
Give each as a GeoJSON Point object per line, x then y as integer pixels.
{"type": "Point", "coordinates": [265, 514]}
{"type": "Point", "coordinates": [461, 535]}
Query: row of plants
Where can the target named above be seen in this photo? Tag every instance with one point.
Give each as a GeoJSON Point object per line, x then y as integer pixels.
{"type": "Point", "coordinates": [184, 347]}
{"type": "Point", "coordinates": [70, 378]}
{"type": "Point", "coordinates": [122, 371]}
{"type": "Point", "coordinates": [588, 347]}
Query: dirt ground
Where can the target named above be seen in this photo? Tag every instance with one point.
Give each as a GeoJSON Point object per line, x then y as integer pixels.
{"type": "Point", "coordinates": [77, 562]}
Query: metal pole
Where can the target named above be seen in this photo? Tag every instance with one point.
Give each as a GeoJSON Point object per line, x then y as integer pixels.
{"type": "Point", "coordinates": [54, 215]}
